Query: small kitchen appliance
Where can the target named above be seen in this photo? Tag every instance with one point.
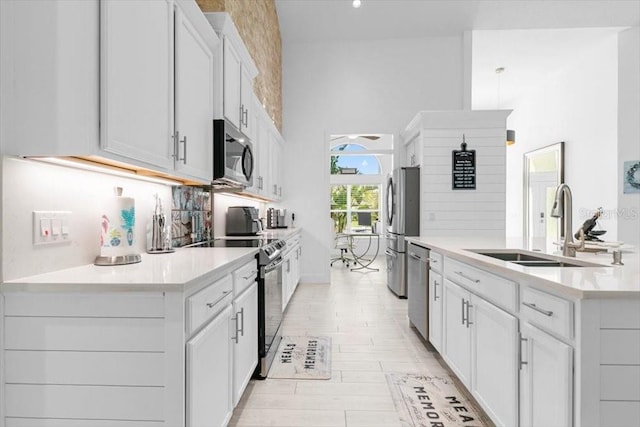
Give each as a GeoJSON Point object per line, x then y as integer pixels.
{"type": "Point", "coordinates": [243, 221]}
{"type": "Point", "coordinates": [277, 218]}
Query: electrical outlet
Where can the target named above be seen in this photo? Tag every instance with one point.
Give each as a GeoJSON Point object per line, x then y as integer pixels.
{"type": "Point", "coordinates": [51, 227]}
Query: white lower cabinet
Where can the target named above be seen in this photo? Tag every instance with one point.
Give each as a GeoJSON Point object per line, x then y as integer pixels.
{"type": "Point", "coordinates": [209, 374]}
{"type": "Point", "coordinates": [480, 345]}
{"type": "Point", "coordinates": [546, 378]}
{"type": "Point", "coordinates": [154, 358]}
{"type": "Point", "coordinates": [457, 335]}
{"type": "Point", "coordinates": [494, 371]}
{"type": "Point", "coordinates": [245, 339]}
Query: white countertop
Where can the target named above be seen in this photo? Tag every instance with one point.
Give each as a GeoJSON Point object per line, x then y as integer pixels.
{"type": "Point", "coordinates": [175, 271]}
{"type": "Point", "coordinates": [607, 281]}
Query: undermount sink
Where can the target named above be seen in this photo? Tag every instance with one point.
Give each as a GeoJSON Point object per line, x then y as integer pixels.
{"type": "Point", "coordinates": [528, 259]}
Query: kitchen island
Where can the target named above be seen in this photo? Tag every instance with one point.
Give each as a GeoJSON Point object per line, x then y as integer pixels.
{"type": "Point", "coordinates": [170, 341]}
{"type": "Point", "coordinates": [552, 346]}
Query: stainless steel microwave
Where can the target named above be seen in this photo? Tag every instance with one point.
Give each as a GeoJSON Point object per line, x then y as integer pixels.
{"type": "Point", "coordinates": [233, 160]}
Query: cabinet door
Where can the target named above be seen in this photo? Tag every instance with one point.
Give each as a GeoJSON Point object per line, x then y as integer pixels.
{"type": "Point", "coordinates": [209, 374]}
{"type": "Point", "coordinates": [546, 378]}
{"type": "Point", "coordinates": [457, 334]}
{"type": "Point", "coordinates": [246, 106]}
{"type": "Point", "coordinates": [435, 310]}
{"type": "Point", "coordinates": [286, 280]}
{"type": "Point", "coordinates": [245, 348]}
{"type": "Point", "coordinates": [494, 347]}
{"type": "Point", "coordinates": [137, 80]}
{"type": "Point", "coordinates": [232, 76]}
{"type": "Point", "coordinates": [194, 64]}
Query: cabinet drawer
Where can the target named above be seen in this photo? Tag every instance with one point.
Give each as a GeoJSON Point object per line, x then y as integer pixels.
{"type": "Point", "coordinates": [435, 261]}
{"type": "Point", "coordinates": [547, 311]}
{"type": "Point", "coordinates": [208, 302]}
{"type": "Point", "coordinates": [501, 291]}
{"type": "Point", "coordinates": [244, 277]}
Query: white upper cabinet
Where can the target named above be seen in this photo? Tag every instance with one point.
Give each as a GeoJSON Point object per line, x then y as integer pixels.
{"type": "Point", "coordinates": [231, 88]}
{"type": "Point", "coordinates": [87, 81]}
{"type": "Point", "coordinates": [239, 70]}
{"type": "Point", "coordinates": [49, 77]}
{"type": "Point", "coordinates": [194, 73]}
{"type": "Point", "coordinates": [137, 80]}
{"type": "Point", "coordinates": [247, 113]}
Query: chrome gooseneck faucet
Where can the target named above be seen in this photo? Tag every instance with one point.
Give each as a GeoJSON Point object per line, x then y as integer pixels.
{"type": "Point", "coordinates": [562, 208]}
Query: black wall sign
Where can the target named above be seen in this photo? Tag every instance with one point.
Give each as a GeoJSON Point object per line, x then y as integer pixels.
{"type": "Point", "coordinates": [463, 168]}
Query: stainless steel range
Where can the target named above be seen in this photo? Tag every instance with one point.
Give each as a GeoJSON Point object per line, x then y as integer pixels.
{"type": "Point", "coordinates": [269, 295]}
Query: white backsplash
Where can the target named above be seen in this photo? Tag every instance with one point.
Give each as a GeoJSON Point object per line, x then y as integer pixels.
{"type": "Point", "coordinates": [30, 185]}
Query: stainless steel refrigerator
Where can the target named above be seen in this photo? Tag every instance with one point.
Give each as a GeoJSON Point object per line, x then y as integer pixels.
{"type": "Point", "coordinates": [402, 219]}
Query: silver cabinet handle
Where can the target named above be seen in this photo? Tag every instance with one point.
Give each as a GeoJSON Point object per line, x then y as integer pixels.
{"type": "Point", "coordinates": [522, 362]}
{"type": "Point", "coordinates": [433, 260]}
{"type": "Point", "coordinates": [224, 294]}
{"type": "Point", "coordinates": [461, 274]}
{"type": "Point", "coordinates": [536, 308]}
{"type": "Point", "coordinates": [463, 310]}
{"type": "Point", "coordinates": [435, 290]}
{"type": "Point", "coordinates": [242, 321]}
{"type": "Point", "coordinates": [250, 274]}
{"type": "Point", "coordinates": [468, 317]}
{"type": "Point", "coordinates": [235, 338]}
{"type": "Point", "coordinates": [246, 118]}
{"type": "Point", "coordinates": [184, 150]}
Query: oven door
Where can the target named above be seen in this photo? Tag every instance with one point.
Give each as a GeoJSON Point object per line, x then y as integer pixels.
{"type": "Point", "coordinates": [270, 314]}
{"type": "Point", "coordinates": [233, 160]}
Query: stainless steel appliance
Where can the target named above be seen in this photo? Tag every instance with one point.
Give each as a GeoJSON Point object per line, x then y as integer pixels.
{"type": "Point", "coordinates": [232, 157]}
{"type": "Point", "coordinates": [277, 218]}
{"type": "Point", "coordinates": [418, 288]}
{"type": "Point", "coordinates": [270, 283]}
{"type": "Point", "coordinates": [402, 216]}
{"type": "Point", "coordinates": [243, 221]}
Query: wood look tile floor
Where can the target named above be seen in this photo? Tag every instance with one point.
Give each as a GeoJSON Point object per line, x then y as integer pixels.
{"type": "Point", "coordinates": [370, 335]}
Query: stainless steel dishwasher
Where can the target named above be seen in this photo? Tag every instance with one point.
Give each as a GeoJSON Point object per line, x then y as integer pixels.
{"type": "Point", "coordinates": [418, 288]}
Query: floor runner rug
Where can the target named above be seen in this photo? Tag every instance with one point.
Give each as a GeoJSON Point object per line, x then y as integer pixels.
{"type": "Point", "coordinates": [302, 358]}
{"type": "Point", "coordinates": [423, 400]}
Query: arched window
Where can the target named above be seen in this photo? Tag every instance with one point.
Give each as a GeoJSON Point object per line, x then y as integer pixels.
{"type": "Point", "coordinates": [349, 159]}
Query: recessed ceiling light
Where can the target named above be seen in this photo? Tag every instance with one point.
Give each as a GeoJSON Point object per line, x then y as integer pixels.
{"type": "Point", "coordinates": [356, 3]}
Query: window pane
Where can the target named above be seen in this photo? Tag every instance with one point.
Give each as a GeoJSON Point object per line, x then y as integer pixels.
{"type": "Point", "coordinates": [355, 165]}
{"type": "Point", "coordinates": [339, 221]}
{"type": "Point", "coordinates": [364, 197]}
{"type": "Point", "coordinates": [338, 197]}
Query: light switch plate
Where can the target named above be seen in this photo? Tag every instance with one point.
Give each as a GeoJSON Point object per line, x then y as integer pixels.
{"type": "Point", "coordinates": [51, 227]}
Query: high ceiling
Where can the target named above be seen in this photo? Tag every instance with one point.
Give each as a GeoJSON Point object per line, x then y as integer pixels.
{"type": "Point", "coordinates": [337, 20]}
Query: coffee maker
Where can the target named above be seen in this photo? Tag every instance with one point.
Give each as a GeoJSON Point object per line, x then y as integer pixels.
{"type": "Point", "coordinates": [243, 221]}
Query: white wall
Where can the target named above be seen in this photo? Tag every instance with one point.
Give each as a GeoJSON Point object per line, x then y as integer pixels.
{"type": "Point", "coordinates": [577, 104]}
{"type": "Point", "coordinates": [29, 185]}
{"type": "Point", "coordinates": [628, 130]}
{"type": "Point", "coordinates": [353, 87]}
